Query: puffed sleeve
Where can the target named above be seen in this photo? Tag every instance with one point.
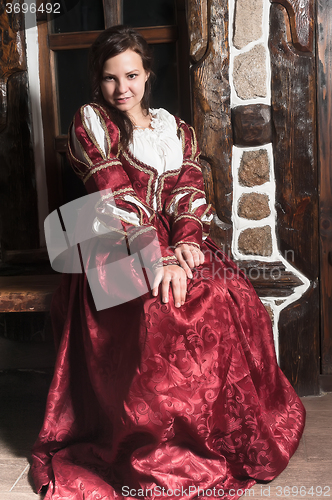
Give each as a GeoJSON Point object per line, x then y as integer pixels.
{"type": "Point", "coordinates": [94, 153]}
{"type": "Point", "coordinates": [186, 204]}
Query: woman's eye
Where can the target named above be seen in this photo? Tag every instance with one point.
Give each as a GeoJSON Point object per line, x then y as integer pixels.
{"type": "Point", "coordinates": [108, 78]}
{"type": "Point", "coordinates": [132, 76]}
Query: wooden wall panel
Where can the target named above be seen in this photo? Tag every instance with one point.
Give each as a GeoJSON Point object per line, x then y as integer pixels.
{"type": "Point", "coordinates": [301, 15]}
{"type": "Point", "coordinates": [324, 101]}
{"type": "Point", "coordinates": [294, 143]}
{"type": "Point", "coordinates": [299, 343]}
{"type": "Point", "coordinates": [211, 102]}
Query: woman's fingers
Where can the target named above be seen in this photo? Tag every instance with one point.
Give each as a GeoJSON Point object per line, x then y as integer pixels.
{"type": "Point", "coordinates": [189, 256]}
{"type": "Point", "coordinates": [175, 276]}
{"type": "Point", "coordinates": [183, 263]}
{"type": "Point", "coordinates": [157, 280]}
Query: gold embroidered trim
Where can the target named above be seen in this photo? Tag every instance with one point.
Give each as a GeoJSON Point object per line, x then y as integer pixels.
{"type": "Point", "coordinates": [124, 190]}
{"type": "Point", "coordinates": [188, 216]}
{"type": "Point", "coordinates": [164, 261]}
{"type": "Point", "coordinates": [183, 139]}
{"type": "Point", "coordinates": [187, 243]}
{"type": "Point", "coordinates": [193, 164]}
{"type": "Point", "coordinates": [190, 209]}
{"type": "Point", "coordinates": [89, 132]}
{"type": "Point", "coordinates": [146, 171]}
{"type": "Point", "coordinates": [76, 160]}
{"type": "Point", "coordinates": [104, 126]}
{"type": "Point", "coordinates": [142, 214]}
{"type": "Point", "coordinates": [208, 208]}
{"type": "Point", "coordinates": [112, 194]}
{"type": "Point", "coordinates": [102, 167]}
{"type": "Point", "coordinates": [111, 230]}
{"type": "Point", "coordinates": [161, 181]}
{"type": "Point", "coordinates": [193, 143]}
{"type": "Point", "coordinates": [188, 188]}
{"type": "Point", "coordinates": [144, 229]}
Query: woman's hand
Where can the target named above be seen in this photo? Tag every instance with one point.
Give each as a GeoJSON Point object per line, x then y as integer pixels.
{"type": "Point", "coordinates": [171, 274]}
{"type": "Point", "coordinates": [189, 256]}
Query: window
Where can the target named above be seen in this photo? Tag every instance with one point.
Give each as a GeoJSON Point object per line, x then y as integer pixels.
{"type": "Point", "coordinates": [64, 42]}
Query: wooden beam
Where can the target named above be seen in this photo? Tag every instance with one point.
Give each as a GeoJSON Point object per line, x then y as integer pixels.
{"type": "Point", "coordinates": [301, 16]}
{"type": "Point", "coordinates": [50, 119]}
{"type": "Point", "coordinates": [197, 15]}
{"type": "Point", "coordinates": [112, 12]}
{"type": "Point", "coordinates": [293, 100]}
{"type": "Point", "coordinates": [270, 279]}
{"type": "Point", "coordinates": [83, 40]}
{"type": "Point", "coordinates": [324, 114]}
{"type": "Point", "coordinates": [211, 106]}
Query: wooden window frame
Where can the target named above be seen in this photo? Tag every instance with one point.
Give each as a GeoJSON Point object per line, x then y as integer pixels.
{"type": "Point", "coordinates": [50, 43]}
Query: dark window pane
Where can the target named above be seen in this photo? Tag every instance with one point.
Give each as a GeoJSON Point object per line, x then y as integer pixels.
{"type": "Point", "coordinates": [86, 15]}
{"type": "Point", "coordinates": [148, 12]}
{"type": "Point", "coordinates": [165, 88]}
{"type": "Point", "coordinates": [73, 187]}
{"type": "Point", "coordinates": [73, 84]}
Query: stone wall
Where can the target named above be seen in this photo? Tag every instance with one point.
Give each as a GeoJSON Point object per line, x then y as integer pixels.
{"type": "Point", "coordinates": [254, 197]}
{"type": "Point", "coordinates": [254, 214]}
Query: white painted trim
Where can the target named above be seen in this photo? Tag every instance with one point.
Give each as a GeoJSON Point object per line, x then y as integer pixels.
{"type": "Point", "coordinates": [32, 48]}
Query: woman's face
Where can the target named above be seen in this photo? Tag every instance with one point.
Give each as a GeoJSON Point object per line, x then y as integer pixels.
{"type": "Point", "coordinates": [123, 82]}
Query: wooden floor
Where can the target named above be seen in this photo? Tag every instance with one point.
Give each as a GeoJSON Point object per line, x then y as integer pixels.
{"type": "Point", "coordinates": [308, 476]}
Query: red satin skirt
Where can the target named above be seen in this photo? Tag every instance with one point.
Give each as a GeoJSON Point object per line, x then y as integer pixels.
{"type": "Point", "coordinates": [149, 400]}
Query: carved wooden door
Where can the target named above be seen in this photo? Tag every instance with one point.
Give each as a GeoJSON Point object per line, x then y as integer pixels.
{"type": "Point", "coordinates": [293, 132]}
{"type": "Point", "coordinates": [324, 103]}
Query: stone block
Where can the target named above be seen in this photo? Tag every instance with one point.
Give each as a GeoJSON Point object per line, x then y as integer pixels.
{"type": "Point", "coordinates": [252, 125]}
{"type": "Point", "coordinates": [256, 241]}
{"type": "Point", "coordinates": [254, 206]}
{"type": "Point", "coordinates": [248, 22]}
{"type": "Point", "coordinates": [249, 74]}
{"type": "Point", "coordinates": [270, 312]}
{"type": "Point", "coordinates": [254, 168]}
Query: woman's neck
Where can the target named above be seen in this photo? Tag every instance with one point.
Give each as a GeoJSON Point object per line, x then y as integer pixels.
{"type": "Point", "coordinates": [141, 120]}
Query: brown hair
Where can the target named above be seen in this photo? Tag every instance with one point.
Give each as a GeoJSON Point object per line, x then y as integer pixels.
{"type": "Point", "coordinates": [110, 43]}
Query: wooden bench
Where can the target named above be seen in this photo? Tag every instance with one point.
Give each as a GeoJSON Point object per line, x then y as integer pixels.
{"type": "Point", "coordinates": [27, 293]}
{"type": "Point", "coordinates": [27, 281]}
{"type": "Point", "coordinates": [32, 292]}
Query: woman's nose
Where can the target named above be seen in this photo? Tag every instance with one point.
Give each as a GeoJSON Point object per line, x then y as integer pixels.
{"type": "Point", "coordinates": [122, 86]}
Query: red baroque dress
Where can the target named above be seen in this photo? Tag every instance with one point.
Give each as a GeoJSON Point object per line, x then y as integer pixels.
{"type": "Point", "coordinates": [149, 400]}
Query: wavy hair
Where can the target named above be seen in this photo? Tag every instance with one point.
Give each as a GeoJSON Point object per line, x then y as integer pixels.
{"type": "Point", "coordinates": [110, 43]}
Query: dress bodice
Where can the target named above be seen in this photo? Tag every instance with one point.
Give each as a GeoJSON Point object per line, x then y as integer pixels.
{"type": "Point", "coordinates": [158, 146]}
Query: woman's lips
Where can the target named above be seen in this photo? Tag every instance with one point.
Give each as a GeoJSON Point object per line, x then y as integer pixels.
{"type": "Point", "coordinates": [122, 100]}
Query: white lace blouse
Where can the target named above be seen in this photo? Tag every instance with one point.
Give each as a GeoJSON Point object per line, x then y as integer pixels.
{"type": "Point", "coordinates": [158, 146]}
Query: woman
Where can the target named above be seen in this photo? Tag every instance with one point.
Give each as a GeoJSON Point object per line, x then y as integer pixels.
{"type": "Point", "coordinates": [176, 392]}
